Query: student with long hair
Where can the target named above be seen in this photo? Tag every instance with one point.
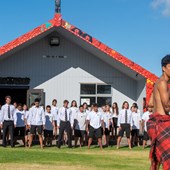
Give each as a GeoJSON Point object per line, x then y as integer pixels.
{"type": "Point", "coordinates": [124, 123]}
{"type": "Point", "coordinates": [54, 112]}
{"type": "Point", "coordinates": [115, 113]}
{"type": "Point", "coordinates": [107, 117]}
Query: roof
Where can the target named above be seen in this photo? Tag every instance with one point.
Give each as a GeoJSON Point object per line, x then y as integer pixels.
{"type": "Point", "coordinates": [57, 21]}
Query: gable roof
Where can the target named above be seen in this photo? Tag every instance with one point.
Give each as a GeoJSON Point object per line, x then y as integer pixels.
{"type": "Point", "coordinates": [57, 21]}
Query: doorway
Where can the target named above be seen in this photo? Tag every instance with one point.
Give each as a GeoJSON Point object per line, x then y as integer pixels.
{"type": "Point", "coordinates": [18, 93]}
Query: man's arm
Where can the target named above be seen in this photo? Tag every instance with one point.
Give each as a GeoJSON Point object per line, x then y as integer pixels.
{"type": "Point", "coordinates": [151, 101]}
{"type": "Point", "coordinates": [164, 95]}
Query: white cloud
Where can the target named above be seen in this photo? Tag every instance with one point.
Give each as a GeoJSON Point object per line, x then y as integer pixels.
{"type": "Point", "coordinates": [163, 5]}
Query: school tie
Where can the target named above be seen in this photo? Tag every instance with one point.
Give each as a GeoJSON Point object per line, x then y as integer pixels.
{"type": "Point", "coordinates": [66, 114]}
{"type": "Point", "coordinates": [9, 116]}
{"type": "Point", "coordinates": [126, 116]}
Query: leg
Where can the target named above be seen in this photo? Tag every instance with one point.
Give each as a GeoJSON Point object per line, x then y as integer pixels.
{"type": "Point", "coordinates": [144, 144]}
{"type": "Point", "coordinates": [129, 143]}
{"type": "Point", "coordinates": [69, 134]}
{"type": "Point", "coordinates": [81, 141]}
{"type": "Point", "coordinates": [118, 141]}
{"type": "Point", "coordinates": [30, 140]}
{"type": "Point", "coordinates": [61, 132]}
{"type": "Point", "coordinates": [5, 129]}
{"type": "Point", "coordinates": [89, 142]}
{"type": "Point", "coordinates": [100, 143]}
{"type": "Point", "coordinates": [11, 132]}
{"type": "Point", "coordinates": [76, 140]}
{"type": "Point", "coordinates": [41, 141]}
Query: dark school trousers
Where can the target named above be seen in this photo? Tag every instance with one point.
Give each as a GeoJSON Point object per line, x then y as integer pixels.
{"type": "Point", "coordinates": [8, 125]}
{"type": "Point", "coordinates": [65, 126]}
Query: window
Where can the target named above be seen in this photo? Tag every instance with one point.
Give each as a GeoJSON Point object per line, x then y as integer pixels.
{"type": "Point", "coordinates": [88, 88]}
{"type": "Point", "coordinates": [95, 93]}
{"type": "Point", "coordinates": [103, 89]}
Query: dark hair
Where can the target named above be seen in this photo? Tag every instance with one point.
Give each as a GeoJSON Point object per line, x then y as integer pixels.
{"type": "Point", "coordinates": [66, 101]}
{"type": "Point", "coordinates": [165, 60]}
{"type": "Point", "coordinates": [124, 104]}
{"type": "Point", "coordinates": [54, 100]}
{"type": "Point", "coordinates": [117, 108]}
{"type": "Point", "coordinates": [80, 106]}
{"type": "Point", "coordinates": [95, 105]}
{"type": "Point", "coordinates": [37, 100]}
{"type": "Point", "coordinates": [73, 102]}
{"type": "Point", "coordinates": [135, 105]}
{"type": "Point", "coordinates": [48, 106]}
{"type": "Point", "coordinates": [19, 105]}
{"type": "Point", "coordinates": [8, 97]}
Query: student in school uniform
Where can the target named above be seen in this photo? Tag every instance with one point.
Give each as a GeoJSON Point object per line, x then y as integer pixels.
{"type": "Point", "coordinates": [107, 118]}
{"type": "Point", "coordinates": [49, 124]}
{"type": "Point", "coordinates": [86, 110]}
{"type": "Point", "coordinates": [19, 123]}
{"type": "Point", "coordinates": [115, 114]}
{"type": "Point", "coordinates": [36, 122]}
{"type": "Point", "coordinates": [80, 126]}
{"type": "Point", "coordinates": [124, 124]}
{"type": "Point", "coordinates": [54, 111]}
{"type": "Point", "coordinates": [145, 118]}
{"type": "Point", "coordinates": [136, 120]}
{"type": "Point", "coordinates": [95, 120]}
{"type": "Point", "coordinates": [26, 118]}
{"type": "Point", "coordinates": [7, 120]}
{"type": "Point", "coordinates": [74, 108]}
{"type": "Point", "coordinates": [65, 123]}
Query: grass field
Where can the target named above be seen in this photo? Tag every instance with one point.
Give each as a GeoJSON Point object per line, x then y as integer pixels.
{"type": "Point", "coordinates": [73, 159]}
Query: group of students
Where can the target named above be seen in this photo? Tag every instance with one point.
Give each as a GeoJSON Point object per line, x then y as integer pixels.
{"type": "Point", "coordinates": [54, 123]}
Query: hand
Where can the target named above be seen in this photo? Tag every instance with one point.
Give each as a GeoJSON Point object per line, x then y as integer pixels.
{"type": "Point", "coordinates": [43, 127]}
{"type": "Point", "coordinates": [1, 126]}
{"type": "Point", "coordinates": [103, 129]}
{"type": "Point", "coordinates": [58, 127]}
{"type": "Point", "coordinates": [120, 128]}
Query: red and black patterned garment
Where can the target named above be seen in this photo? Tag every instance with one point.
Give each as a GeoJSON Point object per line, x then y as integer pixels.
{"type": "Point", "coordinates": [158, 127]}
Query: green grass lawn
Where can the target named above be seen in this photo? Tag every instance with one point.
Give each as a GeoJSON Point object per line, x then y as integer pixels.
{"type": "Point", "coordinates": [71, 159]}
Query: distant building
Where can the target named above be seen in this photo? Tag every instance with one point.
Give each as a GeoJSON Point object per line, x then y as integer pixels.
{"type": "Point", "coordinates": [58, 60]}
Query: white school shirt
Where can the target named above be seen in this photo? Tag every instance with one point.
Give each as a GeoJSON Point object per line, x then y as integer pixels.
{"type": "Point", "coordinates": [61, 116]}
{"type": "Point", "coordinates": [49, 121]}
{"type": "Point", "coordinates": [19, 118]}
{"type": "Point", "coordinates": [121, 117]}
{"type": "Point", "coordinates": [26, 113]}
{"type": "Point", "coordinates": [36, 116]}
{"type": "Point", "coordinates": [145, 117]}
{"type": "Point", "coordinates": [107, 116]}
{"type": "Point", "coordinates": [95, 119]}
{"type": "Point", "coordinates": [74, 111]}
{"type": "Point", "coordinates": [4, 113]}
{"type": "Point", "coordinates": [136, 120]}
{"type": "Point", "coordinates": [114, 115]}
{"type": "Point", "coordinates": [80, 120]}
{"type": "Point", "coordinates": [54, 111]}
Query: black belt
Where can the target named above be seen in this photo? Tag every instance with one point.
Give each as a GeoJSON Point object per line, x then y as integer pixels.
{"type": "Point", "coordinates": [8, 121]}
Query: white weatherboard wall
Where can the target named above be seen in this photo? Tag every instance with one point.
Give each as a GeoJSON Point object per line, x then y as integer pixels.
{"type": "Point", "coordinates": [61, 78]}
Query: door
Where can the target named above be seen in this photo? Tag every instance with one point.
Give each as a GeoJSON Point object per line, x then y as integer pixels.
{"type": "Point", "coordinates": [33, 94]}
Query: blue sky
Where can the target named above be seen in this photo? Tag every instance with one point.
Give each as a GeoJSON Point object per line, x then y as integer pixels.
{"type": "Point", "coordinates": [138, 29]}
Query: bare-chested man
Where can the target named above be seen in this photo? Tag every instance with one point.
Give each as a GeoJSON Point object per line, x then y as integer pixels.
{"type": "Point", "coordinates": [159, 123]}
